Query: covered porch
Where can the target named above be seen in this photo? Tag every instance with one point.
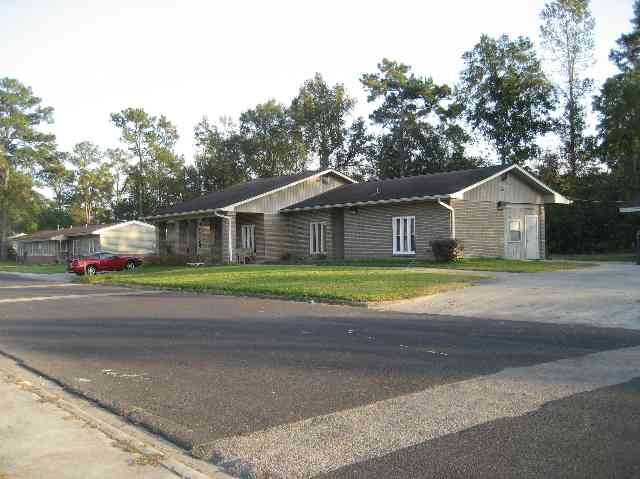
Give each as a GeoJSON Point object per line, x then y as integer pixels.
{"type": "Point", "coordinates": [219, 238]}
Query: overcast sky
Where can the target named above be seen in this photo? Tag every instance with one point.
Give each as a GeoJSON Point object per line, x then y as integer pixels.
{"type": "Point", "coordinates": [186, 59]}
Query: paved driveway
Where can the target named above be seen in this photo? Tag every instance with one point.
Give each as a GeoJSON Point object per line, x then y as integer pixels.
{"type": "Point", "coordinates": [606, 296]}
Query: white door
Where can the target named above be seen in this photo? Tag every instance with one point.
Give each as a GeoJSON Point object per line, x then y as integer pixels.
{"type": "Point", "coordinates": [532, 237]}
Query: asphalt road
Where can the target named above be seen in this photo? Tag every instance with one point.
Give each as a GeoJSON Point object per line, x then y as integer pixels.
{"type": "Point", "coordinates": [200, 368]}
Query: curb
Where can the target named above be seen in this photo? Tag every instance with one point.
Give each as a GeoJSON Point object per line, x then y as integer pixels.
{"type": "Point", "coordinates": [180, 469]}
{"type": "Point", "coordinates": [333, 302]}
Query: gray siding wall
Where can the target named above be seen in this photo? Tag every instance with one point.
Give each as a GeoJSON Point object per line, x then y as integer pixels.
{"type": "Point", "coordinates": [132, 238]}
{"type": "Point", "coordinates": [480, 227]}
{"type": "Point", "coordinates": [257, 221]}
{"type": "Point", "coordinates": [298, 228]}
{"type": "Point", "coordinates": [369, 232]}
{"type": "Point", "coordinates": [276, 236]}
{"type": "Point", "coordinates": [512, 189]}
{"type": "Point", "coordinates": [274, 202]}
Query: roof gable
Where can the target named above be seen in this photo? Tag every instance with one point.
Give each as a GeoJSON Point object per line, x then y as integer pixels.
{"type": "Point", "coordinates": [240, 193]}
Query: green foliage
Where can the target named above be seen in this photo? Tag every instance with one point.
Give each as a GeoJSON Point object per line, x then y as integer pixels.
{"type": "Point", "coordinates": [32, 268]}
{"type": "Point", "coordinates": [298, 282]}
{"type": "Point", "coordinates": [447, 249]}
{"type": "Point", "coordinates": [155, 182]}
{"type": "Point", "coordinates": [588, 228]}
{"type": "Point", "coordinates": [471, 264]}
{"type": "Point", "coordinates": [93, 181]}
{"type": "Point", "coordinates": [507, 97]}
{"type": "Point", "coordinates": [219, 160]}
{"type": "Point", "coordinates": [60, 179]}
{"type": "Point", "coordinates": [119, 165]}
{"type": "Point", "coordinates": [567, 35]}
{"type": "Point", "coordinates": [320, 114]}
{"type": "Point", "coordinates": [627, 55]}
{"type": "Point", "coordinates": [24, 151]}
{"type": "Point", "coordinates": [270, 144]}
{"type": "Point", "coordinates": [618, 106]}
{"type": "Point", "coordinates": [417, 117]}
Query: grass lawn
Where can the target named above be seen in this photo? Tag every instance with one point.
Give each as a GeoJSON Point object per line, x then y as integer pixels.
{"type": "Point", "coordinates": [31, 268]}
{"type": "Point", "coordinates": [626, 257]}
{"type": "Point", "coordinates": [341, 283]}
{"type": "Point", "coordinates": [473, 264]}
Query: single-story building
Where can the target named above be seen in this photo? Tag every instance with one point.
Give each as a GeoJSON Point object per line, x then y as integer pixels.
{"type": "Point", "coordinates": [51, 246]}
{"type": "Point", "coordinates": [496, 211]}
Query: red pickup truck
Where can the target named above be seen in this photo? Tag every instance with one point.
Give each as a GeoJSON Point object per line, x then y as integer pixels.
{"type": "Point", "coordinates": [102, 261]}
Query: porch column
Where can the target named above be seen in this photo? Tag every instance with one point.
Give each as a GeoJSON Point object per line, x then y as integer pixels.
{"type": "Point", "coordinates": [159, 227]}
{"type": "Point", "coordinates": [229, 238]}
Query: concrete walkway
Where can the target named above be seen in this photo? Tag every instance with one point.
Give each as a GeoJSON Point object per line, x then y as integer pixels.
{"type": "Point", "coordinates": [45, 434]}
{"type": "Point", "coordinates": [605, 296]}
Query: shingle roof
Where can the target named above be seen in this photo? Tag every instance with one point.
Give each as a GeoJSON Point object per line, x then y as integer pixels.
{"type": "Point", "coordinates": [233, 194]}
{"type": "Point", "coordinates": [437, 184]}
{"type": "Point", "coordinates": [72, 232]}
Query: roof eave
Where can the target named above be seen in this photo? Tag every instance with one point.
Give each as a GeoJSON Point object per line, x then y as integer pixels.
{"type": "Point", "coordinates": [186, 213]}
{"type": "Point", "coordinates": [366, 203]}
{"type": "Point", "coordinates": [630, 209]}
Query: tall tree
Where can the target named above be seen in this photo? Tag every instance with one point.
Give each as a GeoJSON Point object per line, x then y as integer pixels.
{"type": "Point", "coordinates": [93, 180]}
{"type": "Point", "coordinates": [618, 107]}
{"type": "Point", "coordinates": [567, 35]}
{"type": "Point", "coordinates": [24, 149]}
{"type": "Point", "coordinates": [155, 182]}
{"type": "Point", "coordinates": [136, 127]}
{"type": "Point", "coordinates": [354, 157]}
{"type": "Point", "coordinates": [118, 162]}
{"type": "Point", "coordinates": [507, 97]}
{"type": "Point", "coordinates": [320, 114]}
{"type": "Point", "coordinates": [627, 55]}
{"type": "Point", "coordinates": [60, 179]}
{"type": "Point", "coordinates": [219, 161]}
{"type": "Point", "coordinates": [270, 144]}
{"type": "Point", "coordinates": [417, 119]}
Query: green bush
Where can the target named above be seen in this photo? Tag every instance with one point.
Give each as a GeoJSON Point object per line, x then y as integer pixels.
{"type": "Point", "coordinates": [589, 228]}
{"type": "Point", "coordinates": [447, 249]}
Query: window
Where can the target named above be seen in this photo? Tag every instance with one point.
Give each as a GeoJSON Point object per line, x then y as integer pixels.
{"type": "Point", "coordinates": [515, 231]}
{"type": "Point", "coordinates": [404, 235]}
{"type": "Point", "coordinates": [249, 237]}
{"type": "Point", "coordinates": [94, 244]}
{"type": "Point", "coordinates": [317, 232]}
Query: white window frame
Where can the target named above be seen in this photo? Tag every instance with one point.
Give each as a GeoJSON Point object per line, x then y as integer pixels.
{"type": "Point", "coordinates": [248, 237]}
{"type": "Point", "coordinates": [317, 237]}
{"type": "Point", "coordinates": [404, 230]}
{"type": "Point", "coordinates": [511, 222]}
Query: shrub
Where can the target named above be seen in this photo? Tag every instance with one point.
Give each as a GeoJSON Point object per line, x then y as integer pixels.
{"type": "Point", "coordinates": [447, 249]}
{"type": "Point", "coordinates": [286, 257]}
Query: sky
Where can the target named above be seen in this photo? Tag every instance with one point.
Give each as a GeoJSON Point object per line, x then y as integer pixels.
{"type": "Point", "coordinates": [186, 59]}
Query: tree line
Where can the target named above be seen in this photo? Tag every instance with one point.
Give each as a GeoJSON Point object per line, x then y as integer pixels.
{"type": "Point", "coordinates": [509, 95]}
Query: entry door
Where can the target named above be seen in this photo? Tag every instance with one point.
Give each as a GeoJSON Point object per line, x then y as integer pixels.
{"type": "Point", "coordinates": [532, 237]}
